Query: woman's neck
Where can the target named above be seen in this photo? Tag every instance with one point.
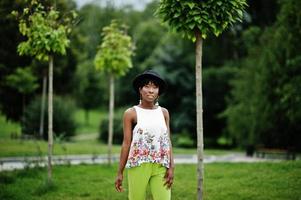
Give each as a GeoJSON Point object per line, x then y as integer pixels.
{"type": "Point", "coordinates": [147, 105]}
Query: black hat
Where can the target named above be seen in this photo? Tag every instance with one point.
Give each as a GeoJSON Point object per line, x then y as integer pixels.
{"type": "Point", "coordinates": [150, 74]}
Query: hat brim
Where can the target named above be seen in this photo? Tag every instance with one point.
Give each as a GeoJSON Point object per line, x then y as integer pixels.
{"type": "Point", "coordinates": [137, 82]}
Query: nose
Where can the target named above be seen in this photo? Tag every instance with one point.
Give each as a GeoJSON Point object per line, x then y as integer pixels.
{"type": "Point", "coordinates": [151, 90]}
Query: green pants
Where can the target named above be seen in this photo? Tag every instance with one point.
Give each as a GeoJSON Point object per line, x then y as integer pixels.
{"type": "Point", "coordinates": [148, 173]}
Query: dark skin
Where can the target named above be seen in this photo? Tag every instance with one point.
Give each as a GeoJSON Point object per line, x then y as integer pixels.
{"type": "Point", "coordinates": [149, 93]}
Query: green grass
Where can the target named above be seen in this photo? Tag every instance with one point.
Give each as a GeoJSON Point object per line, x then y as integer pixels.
{"type": "Point", "coordinates": [17, 147]}
{"type": "Point", "coordinates": [222, 181]}
{"type": "Point", "coordinates": [95, 116]}
{"type": "Point", "coordinates": [10, 147]}
{"type": "Point", "coordinates": [8, 128]}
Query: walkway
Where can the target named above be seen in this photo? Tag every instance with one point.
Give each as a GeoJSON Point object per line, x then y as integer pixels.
{"type": "Point", "coordinates": [11, 163]}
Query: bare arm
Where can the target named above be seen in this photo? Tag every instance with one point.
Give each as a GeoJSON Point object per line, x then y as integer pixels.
{"type": "Point", "coordinates": [128, 119]}
{"type": "Point", "coordinates": [170, 172]}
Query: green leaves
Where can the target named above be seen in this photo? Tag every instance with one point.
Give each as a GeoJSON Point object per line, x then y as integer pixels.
{"type": "Point", "coordinates": [211, 16]}
{"type": "Point", "coordinates": [45, 33]}
{"type": "Point", "coordinates": [116, 49]}
{"type": "Point", "coordinates": [22, 80]}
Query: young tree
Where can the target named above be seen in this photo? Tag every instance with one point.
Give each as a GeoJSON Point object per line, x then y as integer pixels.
{"type": "Point", "coordinates": [195, 19]}
{"type": "Point", "coordinates": [114, 58]}
{"type": "Point", "coordinates": [46, 35]}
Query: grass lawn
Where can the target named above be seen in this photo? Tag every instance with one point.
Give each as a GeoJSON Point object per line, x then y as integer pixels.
{"type": "Point", "coordinates": [17, 147]}
{"type": "Point", "coordinates": [8, 127]}
{"type": "Point", "coordinates": [95, 116]}
{"type": "Point", "coordinates": [223, 181]}
{"type": "Point", "coordinates": [10, 147]}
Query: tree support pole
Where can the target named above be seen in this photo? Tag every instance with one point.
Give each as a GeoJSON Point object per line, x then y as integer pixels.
{"type": "Point", "coordinates": [50, 116]}
{"type": "Point", "coordinates": [199, 114]}
{"type": "Point", "coordinates": [111, 119]}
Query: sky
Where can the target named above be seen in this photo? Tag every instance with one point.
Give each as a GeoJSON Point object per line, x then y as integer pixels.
{"type": "Point", "coordinates": [137, 4]}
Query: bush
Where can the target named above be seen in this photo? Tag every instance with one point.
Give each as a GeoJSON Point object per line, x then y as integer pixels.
{"type": "Point", "coordinates": [182, 140]}
{"type": "Point", "coordinates": [117, 129]}
{"type": "Point", "coordinates": [63, 122]}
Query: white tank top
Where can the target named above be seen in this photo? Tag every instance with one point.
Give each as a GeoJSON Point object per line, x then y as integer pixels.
{"type": "Point", "coordinates": [150, 139]}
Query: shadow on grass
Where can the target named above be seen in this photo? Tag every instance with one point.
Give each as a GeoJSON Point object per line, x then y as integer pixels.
{"type": "Point", "coordinates": [7, 179]}
{"type": "Point", "coordinates": [30, 172]}
{"type": "Point", "coordinates": [45, 188]}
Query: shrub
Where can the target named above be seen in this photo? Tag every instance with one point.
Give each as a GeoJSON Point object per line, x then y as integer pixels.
{"type": "Point", "coordinates": [182, 140]}
{"type": "Point", "coordinates": [117, 129]}
{"type": "Point", "coordinates": [63, 121]}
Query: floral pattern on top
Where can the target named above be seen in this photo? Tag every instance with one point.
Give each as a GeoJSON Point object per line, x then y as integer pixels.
{"type": "Point", "coordinates": [147, 148]}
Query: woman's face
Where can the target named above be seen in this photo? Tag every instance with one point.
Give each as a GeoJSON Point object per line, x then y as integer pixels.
{"type": "Point", "coordinates": [149, 92]}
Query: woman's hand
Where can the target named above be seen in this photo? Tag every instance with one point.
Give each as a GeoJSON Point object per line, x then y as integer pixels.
{"type": "Point", "coordinates": [168, 177]}
{"type": "Point", "coordinates": [118, 183]}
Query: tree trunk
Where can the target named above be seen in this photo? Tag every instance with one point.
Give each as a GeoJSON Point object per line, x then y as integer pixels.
{"type": "Point", "coordinates": [111, 119]}
{"type": "Point", "coordinates": [42, 116]}
{"type": "Point", "coordinates": [199, 113]}
{"type": "Point", "coordinates": [50, 109]}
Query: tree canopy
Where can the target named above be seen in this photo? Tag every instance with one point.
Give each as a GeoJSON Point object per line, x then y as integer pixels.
{"type": "Point", "coordinates": [115, 51]}
{"type": "Point", "coordinates": [208, 16]}
{"type": "Point", "coordinates": [45, 36]}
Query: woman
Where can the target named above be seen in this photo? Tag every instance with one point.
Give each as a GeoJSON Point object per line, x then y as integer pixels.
{"type": "Point", "coordinates": [146, 149]}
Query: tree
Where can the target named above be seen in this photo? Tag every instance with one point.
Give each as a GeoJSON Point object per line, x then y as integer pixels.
{"type": "Point", "coordinates": [45, 36]}
{"type": "Point", "coordinates": [24, 81]}
{"type": "Point", "coordinates": [265, 106]}
{"type": "Point", "coordinates": [114, 58]}
{"type": "Point", "coordinates": [9, 58]}
{"type": "Point", "coordinates": [195, 20]}
{"type": "Point", "coordinates": [245, 111]}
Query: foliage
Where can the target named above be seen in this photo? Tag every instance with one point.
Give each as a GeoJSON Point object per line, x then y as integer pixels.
{"type": "Point", "coordinates": [10, 60]}
{"type": "Point", "coordinates": [173, 59]}
{"type": "Point", "coordinates": [210, 16]}
{"type": "Point", "coordinates": [63, 113]}
{"type": "Point", "coordinates": [216, 87]}
{"type": "Point", "coordinates": [115, 51]}
{"type": "Point", "coordinates": [147, 35]}
{"type": "Point", "coordinates": [265, 108]}
{"type": "Point", "coordinates": [182, 140]}
{"type": "Point", "coordinates": [88, 93]}
{"type": "Point", "coordinates": [118, 129]}
{"type": "Point", "coordinates": [23, 80]}
{"type": "Point", "coordinates": [45, 34]}
{"type": "Point", "coordinates": [173, 62]}
{"type": "Point", "coordinates": [243, 120]}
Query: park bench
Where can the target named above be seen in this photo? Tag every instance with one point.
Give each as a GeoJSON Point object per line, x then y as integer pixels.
{"type": "Point", "coordinates": [275, 153]}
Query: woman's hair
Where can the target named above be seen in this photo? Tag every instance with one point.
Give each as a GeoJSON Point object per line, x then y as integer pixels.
{"type": "Point", "coordinates": [146, 81]}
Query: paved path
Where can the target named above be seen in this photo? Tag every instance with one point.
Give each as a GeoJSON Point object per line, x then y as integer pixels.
{"type": "Point", "coordinates": [11, 163]}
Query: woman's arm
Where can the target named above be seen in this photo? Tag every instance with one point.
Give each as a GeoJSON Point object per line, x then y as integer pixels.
{"type": "Point", "coordinates": [128, 119]}
{"type": "Point", "coordinates": [170, 172]}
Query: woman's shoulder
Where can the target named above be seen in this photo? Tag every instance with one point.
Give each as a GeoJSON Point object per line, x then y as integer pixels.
{"type": "Point", "coordinates": [130, 112]}
{"type": "Point", "coordinates": [165, 111]}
